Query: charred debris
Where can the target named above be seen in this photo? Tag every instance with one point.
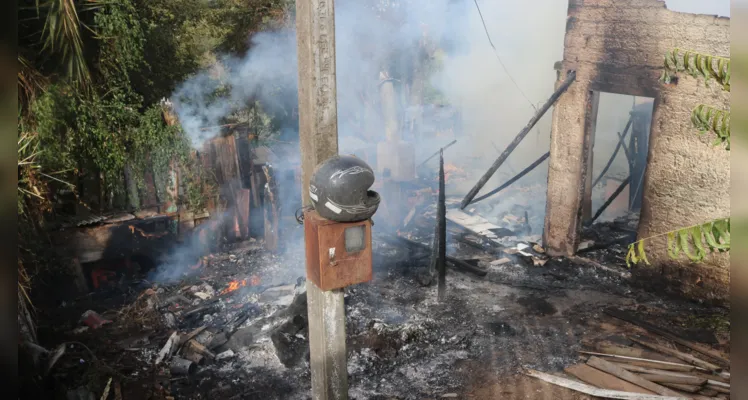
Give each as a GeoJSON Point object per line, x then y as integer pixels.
{"type": "Point", "coordinates": [453, 291]}
{"type": "Point", "coordinates": [468, 300]}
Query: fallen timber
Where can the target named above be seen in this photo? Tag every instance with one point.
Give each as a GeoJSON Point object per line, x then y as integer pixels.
{"type": "Point", "coordinates": [572, 76]}
{"type": "Point", "coordinates": [514, 179]}
{"type": "Point", "coordinates": [454, 261]}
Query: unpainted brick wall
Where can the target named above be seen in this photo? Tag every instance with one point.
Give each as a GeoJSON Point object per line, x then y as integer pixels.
{"type": "Point", "coordinates": [619, 46]}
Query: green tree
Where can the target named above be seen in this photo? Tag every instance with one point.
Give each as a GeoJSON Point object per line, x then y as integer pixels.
{"type": "Point", "coordinates": [695, 242]}
{"type": "Point", "coordinates": [91, 77]}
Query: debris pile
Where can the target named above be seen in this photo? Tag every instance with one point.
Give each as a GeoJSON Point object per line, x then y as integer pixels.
{"type": "Point", "coordinates": [236, 326]}
{"type": "Point", "coordinates": [643, 366]}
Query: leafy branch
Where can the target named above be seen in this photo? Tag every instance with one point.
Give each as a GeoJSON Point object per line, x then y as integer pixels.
{"type": "Point", "coordinates": [695, 242]}
{"type": "Point", "coordinates": [697, 65]}
{"type": "Point", "coordinates": [708, 118]}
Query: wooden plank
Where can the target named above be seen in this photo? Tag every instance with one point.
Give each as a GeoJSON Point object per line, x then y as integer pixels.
{"type": "Point", "coordinates": [271, 212]}
{"type": "Point", "coordinates": [601, 379]}
{"type": "Point", "coordinates": [593, 391]}
{"type": "Point", "coordinates": [474, 223]}
{"type": "Point", "coordinates": [708, 392]}
{"type": "Point", "coordinates": [651, 364]}
{"type": "Point", "coordinates": [655, 371]}
{"type": "Point", "coordinates": [682, 387]}
{"type": "Point", "coordinates": [244, 158]}
{"type": "Point", "coordinates": [171, 190]}
{"type": "Point", "coordinates": [678, 354]}
{"type": "Point", "coordinates": [232, 160]}
{"type": "Point", "coordinates": [720, 389]}
{"type": "Point", "coordinates": [133, 195]}
{"type": "Point", "coordinates": [712, 382]}
{"type": "Point", "coordinates": [645, 362]}
{"type": "Point", "coordinates": [614, 369]}
{"type": "Point", "coordinates": [149, 181]}
{"type": "Point", "coordinates": [667, 378]}
{"type": "Point", "coordinates": [625, 316]}
{"type": "Point", "coordinates": [688, 391]}
{"type": "Point", "coordinates": [590, 124]}
{"type": "Point", "coordinates": [610, 348]}
{"type": "Point", "coordinates": [242, 212]}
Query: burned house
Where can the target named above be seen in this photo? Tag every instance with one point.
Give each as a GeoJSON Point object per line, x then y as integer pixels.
{"type": "Point", "coordinates": [507, 304]}
{"type": "Point", "coordinates": [618, 47]}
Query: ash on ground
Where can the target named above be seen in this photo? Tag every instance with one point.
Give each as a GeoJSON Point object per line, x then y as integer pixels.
{"type": "Point", "coordinates": [402, 342]}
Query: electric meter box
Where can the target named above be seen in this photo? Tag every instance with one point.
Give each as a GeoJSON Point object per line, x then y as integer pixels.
{"type": "Point", "coordinates": [338, 254]}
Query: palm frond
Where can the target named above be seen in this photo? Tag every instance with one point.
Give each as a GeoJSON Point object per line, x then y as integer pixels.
{"type": "Point", "coordinates": [707, 118]}
{"type": "Point", "coordinates": [694, 242]}
{"type": "Point", "coordinates": [697, 65]}
{"type": "Point", "coordinates": [62, 35]}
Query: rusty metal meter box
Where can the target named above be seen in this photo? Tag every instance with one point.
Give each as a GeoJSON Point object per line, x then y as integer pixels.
{"type": "Point", "coordinates": [338, 254]}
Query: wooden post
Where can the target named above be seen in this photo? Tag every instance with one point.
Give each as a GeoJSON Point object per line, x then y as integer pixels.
{"type": "Point", "coordinates": [589, 132]}
{"type": "Point", "coordinates": [441, 215]}
{"type": "Point", "coordinates": [270, 211]}
{"type": "Point", "coordinates": [318, 136]}
{"type": "Point", "coordinates": [133, 197]}
{"type": "Point", "coordinates": [389, 107]}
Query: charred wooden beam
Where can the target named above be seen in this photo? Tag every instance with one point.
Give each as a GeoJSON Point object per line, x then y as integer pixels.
{"type": "Point", "coordinates": [630, 318]}
{"type": "Point", "coordinates": [271, 211]}
{"type": "Point", "coordinates": [570, 78]}
{"type": "Point", "coordinates": [434, 262]}
{"type": "Point", "coordinates": [441, 217]}
{"type": "Point", "coordinates": [615, 153]}
{"type": "Point", "coordinates": [459, 264]}
{"type": "Point", "coordinates": [514, 179]}
{"type": "Point", "coordinates": [625, 148]}
{"type": "Point", "coordinates": [610, 200]}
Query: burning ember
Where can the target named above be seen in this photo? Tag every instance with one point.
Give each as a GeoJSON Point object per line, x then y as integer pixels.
{"type": "Point", "coordinates": [254, 280]}
{"type": "Point", "coordinates": [142, 233]}
{"type": "Point", "coordinates": [233, 285]}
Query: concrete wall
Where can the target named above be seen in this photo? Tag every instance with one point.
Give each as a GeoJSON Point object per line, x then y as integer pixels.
{"type": "Point", "coordinates": [618, 46]}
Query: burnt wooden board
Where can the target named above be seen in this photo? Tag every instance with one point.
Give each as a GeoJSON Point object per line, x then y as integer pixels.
{"type": "Point", "coordinates": [603, 380]}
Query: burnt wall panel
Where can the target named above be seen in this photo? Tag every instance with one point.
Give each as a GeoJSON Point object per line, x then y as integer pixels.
{"type": "Point", "coordinates": [619, 46]}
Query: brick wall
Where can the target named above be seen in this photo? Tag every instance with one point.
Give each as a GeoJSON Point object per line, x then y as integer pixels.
{"type": "Point", "coordinates": [618, 46]}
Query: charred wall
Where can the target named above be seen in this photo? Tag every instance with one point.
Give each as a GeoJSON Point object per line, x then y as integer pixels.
{"type": "Point", "coordinates": [618, 47]}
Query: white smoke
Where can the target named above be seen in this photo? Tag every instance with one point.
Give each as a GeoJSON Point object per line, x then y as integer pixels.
{"type": "Point", "coordinates": [495, 101]}
{"type": "Point", "coordinates": [267, 73]}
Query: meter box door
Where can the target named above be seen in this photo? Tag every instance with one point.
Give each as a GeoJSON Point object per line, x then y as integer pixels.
{"type": "Point", "coordinates": [338, 254]}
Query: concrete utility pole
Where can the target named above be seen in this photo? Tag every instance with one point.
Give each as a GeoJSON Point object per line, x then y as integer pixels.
{"type": "Point", "coordinates": [318, 135]}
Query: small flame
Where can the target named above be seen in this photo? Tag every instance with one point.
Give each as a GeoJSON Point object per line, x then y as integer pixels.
{"type": "Point", "coordinates": [254, 280]}
{"type": "Point", "coordinates": [234, 285]}
{"type": "Point", "coordinates": [142, 233]}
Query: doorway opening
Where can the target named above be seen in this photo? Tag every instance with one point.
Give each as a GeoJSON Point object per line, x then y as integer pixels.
{"type": "Point", "coordinates": [619, 157]}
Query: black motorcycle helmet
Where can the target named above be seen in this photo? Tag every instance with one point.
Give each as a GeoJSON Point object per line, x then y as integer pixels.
{"type": "Point", "coordinates": [339, 189]}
